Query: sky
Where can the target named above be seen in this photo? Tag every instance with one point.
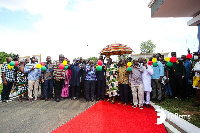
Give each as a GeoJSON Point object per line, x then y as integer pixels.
{"type": "Point", "coordinates": [81, 28]}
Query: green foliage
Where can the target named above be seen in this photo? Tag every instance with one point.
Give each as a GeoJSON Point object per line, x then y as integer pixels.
{"type": "Point", "coordinates": [3, 56]}
{"type": "Point", "coordinates": [93, 58]}
{"type": "Point", "coordinates": [1, 88]}
{"type": "Point", "coordinates": [124, 56]}
{"type": "Point", "coordinates": [147, 47]}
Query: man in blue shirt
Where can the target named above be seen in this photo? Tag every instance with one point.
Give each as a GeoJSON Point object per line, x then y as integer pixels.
{"type": "Point", "coordinates": [156, 79]}
{"type": "Point", "coordinates": [33, 78]}
{"type": "Point", "coordinates": [187, 79]}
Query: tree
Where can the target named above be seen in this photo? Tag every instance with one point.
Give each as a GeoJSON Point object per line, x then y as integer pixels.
{"type": "Point", "coordinates": [3, 56]}
{"type": "Point", "coordinates": [124, 56]}
{"type": "Point", "coordinates": [147, 47]}
{"type": "Point", "coordinates": [93, 58]}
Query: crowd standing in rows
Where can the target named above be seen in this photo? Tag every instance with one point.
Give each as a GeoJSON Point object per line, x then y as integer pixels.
{"type": "Point", "coordinates": [136, 86]}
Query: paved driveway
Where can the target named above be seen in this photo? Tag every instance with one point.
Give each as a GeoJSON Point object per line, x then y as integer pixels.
{"type": "Point", "coordinates": [38, 116]}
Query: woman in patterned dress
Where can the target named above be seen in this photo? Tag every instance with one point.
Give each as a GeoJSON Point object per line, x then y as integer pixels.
{"type": "Point", "coordinates": [111, 81]}
{"type": "Point", "coordinates": [22, 81]}
{"type": "Point", "coordinates": [65, 90]}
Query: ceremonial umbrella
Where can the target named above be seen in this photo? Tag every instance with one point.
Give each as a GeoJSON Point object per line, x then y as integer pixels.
{"type": "Point", "coordinates": [116, 49]}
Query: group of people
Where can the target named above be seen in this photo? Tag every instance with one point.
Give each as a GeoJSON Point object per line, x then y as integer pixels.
{"type": "Point", "coordinates": [136, 86]}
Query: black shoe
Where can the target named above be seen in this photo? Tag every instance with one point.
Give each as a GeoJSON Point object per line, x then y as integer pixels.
{"type": "Point", "coordinates": [46, 99]}
{"type": "Point", "coordinates": [87, 100]}
{"type": "Point", "coordinates": [92, 99]}
{"type": "Point", "coordinates": [57, 100]}
{"type": "Point", "coordinates": [158, 101]}
{"type": "Point", "coordinates": [103, 99]}
{"type": "Point", "coordinates": [74, 98]}
{"type": "Point", "coordinates": [147, 105]}
{"type": "Point", "coordinates": [97, 99]}
{"type": "Point", "coordinates": [77, 98]}
{"type": "Point", "coordinates": [154, 99]}
{"type": "Point", "coordinates": [3, 100]}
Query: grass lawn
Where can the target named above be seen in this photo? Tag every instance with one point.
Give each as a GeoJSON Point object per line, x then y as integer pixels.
{"type": "Point", "coordinates": [183, 108]}
{"type": "Point", "coordinates": [1, 88]}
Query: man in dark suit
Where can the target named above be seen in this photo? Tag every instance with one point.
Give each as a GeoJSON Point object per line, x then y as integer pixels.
{"type": "Point", "coordinates": [75, 80]}
{"type": "Point", "coordinates": [101, 82]}
{"type": "Point", "coordinates": [177, 74]}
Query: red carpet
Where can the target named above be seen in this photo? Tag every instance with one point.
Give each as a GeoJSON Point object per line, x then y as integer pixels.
{"type": "Point", "coordinates": [105, 117]}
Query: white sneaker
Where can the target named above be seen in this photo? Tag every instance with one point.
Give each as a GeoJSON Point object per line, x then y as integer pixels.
{"type": "Point", "coordinates": [134, 106]}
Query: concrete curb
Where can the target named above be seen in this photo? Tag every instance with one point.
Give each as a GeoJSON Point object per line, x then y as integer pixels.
{"type": "Point", "coordinates": [181, 123]}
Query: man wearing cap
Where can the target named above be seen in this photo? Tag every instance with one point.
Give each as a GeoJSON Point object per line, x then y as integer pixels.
{"type": "Point", "coordinates": [59, 76]}
{"type": "Point", "coordinates": [47, 79]}
{"type": "Point", "coordinates": [33, 78]}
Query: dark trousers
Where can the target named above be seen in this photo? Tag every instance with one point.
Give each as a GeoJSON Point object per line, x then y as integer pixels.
{"type": "Point", "coordinates": [101, 86]}
{"type": "Point", "coordinates": [42, 91]}
{"type": "Point", "coordinates": [156, 89]}
{"type": "Point", "coordinates": [76, 91]}
{"type": "Point", "coordinates": [6, 91]}
{"type": "Point", "coordinates": [58, 88]}
{"type": "Point", "coordinates": [188, 87]}
{"type": "Point", "coordinates": [48, 84]}
{"type": "Point", "coordinates": [178, 90]}
{"type": "Point", "coordinates": [90, 89]}
{"type": "Point", "coordinates": [124, 92]}
{"type": "Point", "coordinates": [168, 89]}
{"type": "Point", "coordinates": [82, 88]}
{"type": "Point", "coordinates": [130, 94]}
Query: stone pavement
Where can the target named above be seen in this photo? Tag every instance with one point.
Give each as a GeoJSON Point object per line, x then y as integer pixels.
{"type": "Point", "coordinates": [38, 116]}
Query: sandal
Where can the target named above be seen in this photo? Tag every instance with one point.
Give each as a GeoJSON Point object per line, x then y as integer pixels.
{"type": "Point", "coordinates": [20, 100]}
{"type": "Point", "coordinates": [125, 104]}
{"type": "Point", "coordinates": [108, 100]}
{"type": "Point", "coordinates": [112, 102]}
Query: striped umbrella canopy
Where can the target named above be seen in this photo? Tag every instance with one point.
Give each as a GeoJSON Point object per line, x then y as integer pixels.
{"type": "Point", "coordinates": [116, 49]}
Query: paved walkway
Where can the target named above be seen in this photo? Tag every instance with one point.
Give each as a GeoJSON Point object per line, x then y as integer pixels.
{"type": "Point", "coordinates": [38, 116]}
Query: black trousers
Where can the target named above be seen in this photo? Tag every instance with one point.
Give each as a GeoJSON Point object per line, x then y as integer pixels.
{"type": "Point", "coordinates": [58, 89]}
{"type": "Point", "coordinates": [124, 92]}
{"type": "Point", "coordinates": [76, 91]}
{"type": "Point", "coordinates": [178, 90]}
{"type": "Point", "coordinates": [6, 91]}
{"type": "Point", "coordinates": [188, 87]}
{"type": "Point", "coordinates": [42, 91]}
{"type": "Point", "coordinates": [101, 87]}
{"type": "Point", "coordinates": [130, 94]}
{"type": "Point", "coordinates": [90, 89]}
